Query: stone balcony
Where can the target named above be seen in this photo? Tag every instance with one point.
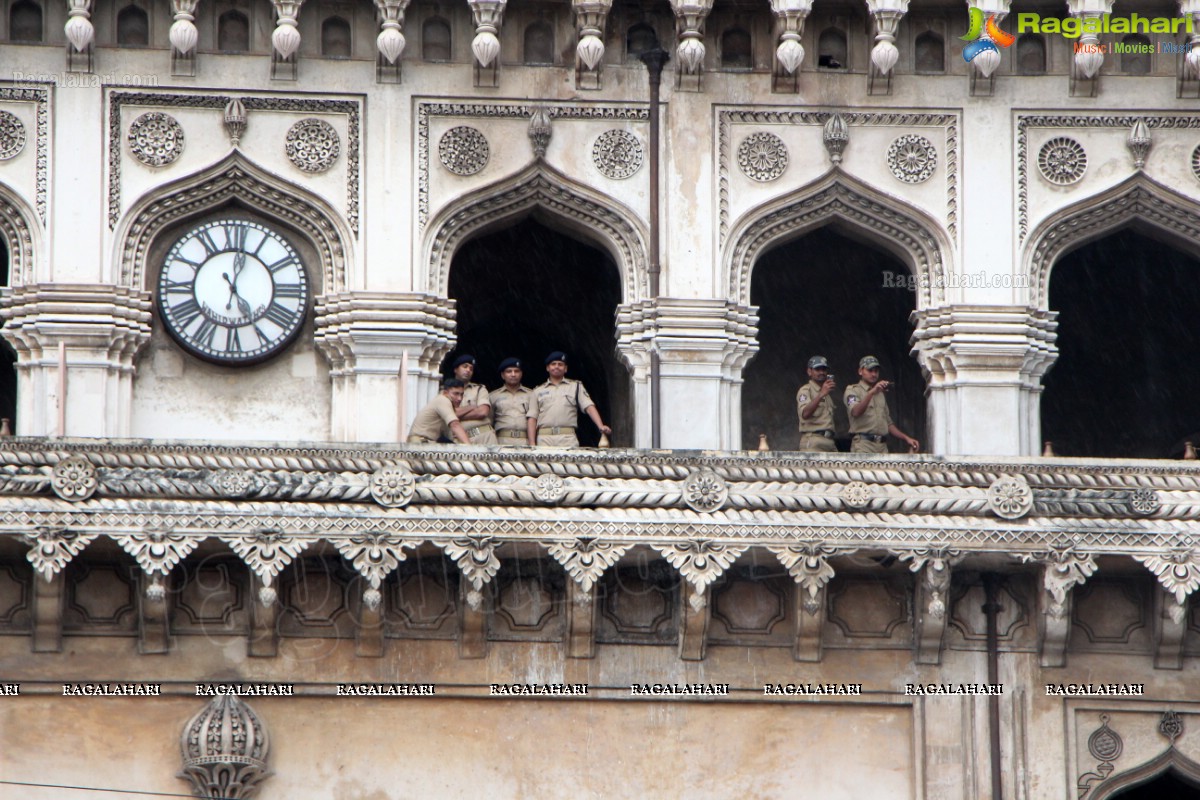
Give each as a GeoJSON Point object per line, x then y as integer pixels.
{"type": "Point", "coordinates": [920, 520]}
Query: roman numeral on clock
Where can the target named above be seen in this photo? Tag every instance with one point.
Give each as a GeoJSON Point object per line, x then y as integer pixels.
{"type": "Point", "coordinates": [286, 261]}
{"type": "Point", "coordinates": [205, 333]}
{"type": "Point", "coordinates": [235, 237]}
{"type": "Point", "coordinates": [205, 238]}
{"type": "Point", "coordinates": [283, 317]}
{"type": "Point", "coordinates": [185, 312]}
{"type": "Point", "coordinates": [287, 290]}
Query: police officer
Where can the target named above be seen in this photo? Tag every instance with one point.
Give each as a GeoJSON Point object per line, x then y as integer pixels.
{"type": "Point", "coordinates": [475, 413]}
{"type": "Point", "coordinates": [510, 404]}
{"type": "Point", "coordinates": [870, 419]}
{"type": "Point", "coordinates": [554, 411]}
{"type": "Point", "coordinates": [815, 407]}
{"type": "Point", "coordinates": [439, 417]}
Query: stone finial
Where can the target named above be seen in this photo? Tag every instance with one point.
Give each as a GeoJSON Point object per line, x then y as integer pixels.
{"type": "Point", "coordinates": [286, 36]}
{"type": "Point", "coordinates": [790, 15]}
{"type": "Point", "coordinates": [540, 131]}
{"type": "Point", "coordinates": [224, 749]}
{"type": "Point", "coordinates": [235, 121]}
{"type": "Point", "coordinates": [1139, 142]}
{"type": "Point", "coordinates": [835, 136]}
{"type": "Point", "coordinates": [79, 28]}
{"type": "Point", "coordinates": [390, 40]}
{"type": "Point", "coordinates": [488, 16]}
{"type": "Point", "coordinates": [183, 34]}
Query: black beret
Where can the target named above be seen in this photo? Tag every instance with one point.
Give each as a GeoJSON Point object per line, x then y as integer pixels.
{"type": "Point", "coordinates": [463, 359]}
{"type": "Point", "coordinates": [557, 355]}
{"type": "Point", "coordinates": [510, 362]}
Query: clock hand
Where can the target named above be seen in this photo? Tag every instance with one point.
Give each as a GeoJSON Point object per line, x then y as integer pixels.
{"type": "Point", "coordinates": [232, 290]}
{"type": "Point", "coordinates": [243, 306]}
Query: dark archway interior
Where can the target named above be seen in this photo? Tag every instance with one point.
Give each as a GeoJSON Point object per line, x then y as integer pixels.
{"type": "Point", "coordinates": [527, 290]}
{"type": "Point", "coordinates": [8, 358]}
{"type": "Point", "coordinates": [1125, 384]}
{"type": "Point", "coordinates": [1165, 787]}
{"type": "Point", "coordinates": [829, 294]}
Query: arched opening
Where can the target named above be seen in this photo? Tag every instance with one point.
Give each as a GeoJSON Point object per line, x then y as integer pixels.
{"type": "Point", "coordinates": [828, 294]}
{"type": "Point", "coordinates": [735, 49]}
{"type": "Point", "coordinates": [539, 43]}
{"type": "Point", "coordinates": [640, 38]}
{"type": "Point", "coordinates": [233, 32]}
{"type": "Point", "coordinates": [832, 49]}
{"type": "Point", "coordinates": [1168, 786]}
{"type": "Point", "coordinates": [930, 53]}
{"type": "Point", "coordinates": [8, 357]}
{"type": "Point", "coordinates": [335, 38]}
{"type": "Point", "coordinates": [25, 22]}
{"type": "Point", "coordinates": [133, 27]}
{"type": "Point", "coordinates": [526, 290]}
{"type": "Point", "coordinates": [435, 40]}
{"type": "Point", "coordinates": [1135, 58]}
{"type": "Point", "coordinates": [1123, 384]}
{"type": "Point", "coordinates": [1031, 54]}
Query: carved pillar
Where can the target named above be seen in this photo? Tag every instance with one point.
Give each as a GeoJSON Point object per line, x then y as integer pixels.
{"type": "Point", "coordinates": [689, 24]}
{"type": "Point", "coordinates": [984, 368]}
{"type": "Point", "coordinates": [590, 18]}
{"type": "Point", "coordinates": [930, 606]}
{"type": "Point", "coordinates": [488, 16]}
{"type": "Point", "coordinates": [1189, 77]}
{"type": "Point", "coordinates": [225, 748]}
{"type": "Point", "coordinates": [1089, 57]}
{"type": "Point", "coordinates": [75, 345]}
{"type": "Point", "coordinates": [365, 336]}
{"type": "Point", "coordinates": [703, 347]}
{"type": "Point", "coordinates": [884, 55]}
{"type": "Point", "coordinates": [285, 40]}
{"type": "Point", "coordinates": [390, 41]}
{"type": "Point", "coordinates": [789, 54]}
{"type": "Point", "coordinates": [49, 598]}
{"type": "Point", "coordinates": [80, 34]}
{"type": "Point", "coordinates": [183, 36]}
{"type": "Point", "coordinates": [809, 566]}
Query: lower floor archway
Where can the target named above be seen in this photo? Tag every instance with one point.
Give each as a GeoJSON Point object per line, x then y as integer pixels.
{"type": "Point", "coordinates": [527, 290]}
{"type": "Point", "coordinates": [1168, 786]}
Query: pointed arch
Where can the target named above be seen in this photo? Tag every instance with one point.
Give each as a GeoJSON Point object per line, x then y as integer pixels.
{"type": "Point", "coordinates": [1170, 760]}
{"type": "Point", "coordinates": [234, 178]}
{"type": "Point", "coordinates": [844, 201]}
{"type": "Point", "coordinates": [546, 193]}
{"type": "Point", "coordinates": [1138, 202]}
{"type": "Point", "coordinates": [22, 236]}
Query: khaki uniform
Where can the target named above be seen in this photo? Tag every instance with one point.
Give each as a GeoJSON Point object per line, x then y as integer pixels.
{"type": "Point", "coordinates": [433, 421]}
{"type": "Point", "coordinates": [556, 409]}
{"type": "Point", "coordinates": [509, 410]}
{"type": "Point", "coordinates": [816, 432]}
{"type": "Point", "coordinates": [480, 431]}
{"type": "Point", "coordinates": [871, 429]}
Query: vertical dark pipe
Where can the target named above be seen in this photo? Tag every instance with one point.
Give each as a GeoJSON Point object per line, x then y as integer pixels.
{"type": "Point", "coordinates": [991, 608]}
{"type": "Point", "coordinates": [654, 60]}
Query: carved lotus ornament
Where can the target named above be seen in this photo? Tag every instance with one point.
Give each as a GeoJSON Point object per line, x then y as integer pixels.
{"type": "Point", "coordinates": [856, 494]}
{"type": "Point", "coordinates": [549, 488]}
{"type": "Point", "coordinates": [74, 479]}
{"type": "Point", "coordinates": [232, 482]}
{"type": "Point", "coordinates": [1144, 502]}
{"type": "Point", "coordinates": [705, 491]}
{"type": "Point", "coordinates": [393, 485]}
{"type": "Point", "coordinates": [1010, 497]}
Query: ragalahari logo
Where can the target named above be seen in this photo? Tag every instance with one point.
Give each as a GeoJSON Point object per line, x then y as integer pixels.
{"type": "Point", "coordinates": [983, 37]}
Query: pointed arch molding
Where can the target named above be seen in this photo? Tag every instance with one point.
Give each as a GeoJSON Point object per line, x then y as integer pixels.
{"type": "Point", "coordinates": [22, 235]}
{"type": "Point", "coordinates": [1171, 760]}
{"type": "Point", "coordinates": [540, 188]}
{"type": "Point", "coordinates": [234, 178]}
{"type": "Point", "coordinates": [1139, 201]}
{"type": "Point", "coordinates": [838, 197]}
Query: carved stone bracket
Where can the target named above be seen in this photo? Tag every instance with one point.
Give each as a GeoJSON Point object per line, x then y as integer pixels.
{"type": "Point", "coordinates": [488, 16]}
{"type": "Point", "coordinates": [1062, 571]}
{"type": "Point", "coordinates": [1178, 571]}
{"type": "Point", "coordinates": [586, 559]}
{"type": "Point", "coordinates": [53, 549]}
{"type": "Point", "coordinates": [375, 555]}
{"type": "Point", "coordinates": [808, 564]}
{"type": "Point", "coordinates": [80, 33]}
{"type": "Point", "coordinates": [689, 24]}
{"type": "Point", "coordinates": [285, 39]}
{"type": "Point", "coordinates": [225, 748]}
{"type": "Point", "coordinates": [183, 37]}
{"type": "Point", "coordinates": [157, 553]}
{"type": "Point", "coordinates": [476, 558]}
{"type": "Point", "coordinates": [390, 41]}
{"type": "Point", "coordinates": [934, 566]}
{"type": "Point", "coordinates": [266, 553]}
{"type": "Point", "coordinates": [700, 562]}
{"type": "Point", "coordinates": [789, 54]}
{"type": "Point", "coordinates": [590, 19]}
{"type": "Point", "coordinates": [884, 55]}
{"type": "Point", "coordinates": [1089, 55]}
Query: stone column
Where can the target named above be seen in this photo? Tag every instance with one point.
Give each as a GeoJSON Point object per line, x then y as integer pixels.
{"type": "Point", "coordinates": [984, 368]}
{"type": "Point", "coordinates": [703, 346]}
{"type": "Point", "coordinates": [82, 338]}
{"type": "Point", "coordinates": [365, 336]}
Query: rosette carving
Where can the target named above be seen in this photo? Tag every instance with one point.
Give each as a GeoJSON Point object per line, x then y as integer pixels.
{"type": "Point", "coordinates": [1144, 502]}
{"type": "Point", "coordinates": [585, 560]}
{"type": "Point", "coordinates": [74, 479]}
{"type": "Point", "coordinates": [856, 494]}
{"type": "Point", "coordinates": [393, 485]}
{"type": "Point", "coordinates": [1010, 497]}
{"type": "Point", "coordinates": [549, 488]}
{"type": "Point", "coordinates": [705, 491]}
{"type": "Point", "coordinates": [232, 482]}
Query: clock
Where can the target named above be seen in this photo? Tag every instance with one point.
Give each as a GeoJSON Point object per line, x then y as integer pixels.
{"type": "Point", "coordinates": [233, 291]}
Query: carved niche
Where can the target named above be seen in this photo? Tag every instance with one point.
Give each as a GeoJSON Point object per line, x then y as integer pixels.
{"type": "Point", "coordinates": [1113, 614]}
{"type": "Point", "coordinates": [529, 601]}
{"type": "Point", "coordinates": [423, 599]}
{"type": "Point", "coordinates": [316, 596]}
{"type": "Point", "coordinates": [752, 606]}
{"type": "Point", "coordinates": [1015, 623]}
{"type": "Point", "coordinates": [870, 610]}
{"type": "Point", "coordinates": [211, 596]}
{"type": "Point", "coordinates": [639, 603]}
{"type": "Point", "coordinates": [101, 597]}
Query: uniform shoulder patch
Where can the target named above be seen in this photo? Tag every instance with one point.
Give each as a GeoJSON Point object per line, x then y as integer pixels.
{"type": "Point", "coordinates": [803, 398]}
{"type": "Point", "coordinates": [851, 399]}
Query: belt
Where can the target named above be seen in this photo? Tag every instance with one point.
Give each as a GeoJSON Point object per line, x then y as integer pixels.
{"type": "Point", "coordinates": [871, 437]}
{"type": "Point", "coordinates": [482, 429]}
{"type": "Point", "coordinates": [416, 438]}
{"type": "Point", "coordinates": [512, 434]}
{"type": "Point", "coordinates": [826, 434]}
{"type": "Point", "coordinates": [557, 429]}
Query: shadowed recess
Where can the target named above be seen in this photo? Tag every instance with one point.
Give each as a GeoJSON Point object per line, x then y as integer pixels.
{"type": "Point", "coordinates": [828, 294]}
{"type": "Point", "coordinates": [1125, 383]}
{"type": "Point", "coordinates": [1164, 787]}
{"type": "Point", "coordinates": [527, 290]}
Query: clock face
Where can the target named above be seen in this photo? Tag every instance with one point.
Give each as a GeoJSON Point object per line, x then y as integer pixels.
{"type": "Point", "coordinates": [233, 291]}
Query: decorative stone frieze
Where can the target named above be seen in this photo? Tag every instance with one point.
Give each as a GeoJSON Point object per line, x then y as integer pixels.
{"type": "Point", "coordinates": [225, 748]}
{"type": "Point", "coordinates": [312, 145]}
{"type": "Point", "coordinates": [585, 560]}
